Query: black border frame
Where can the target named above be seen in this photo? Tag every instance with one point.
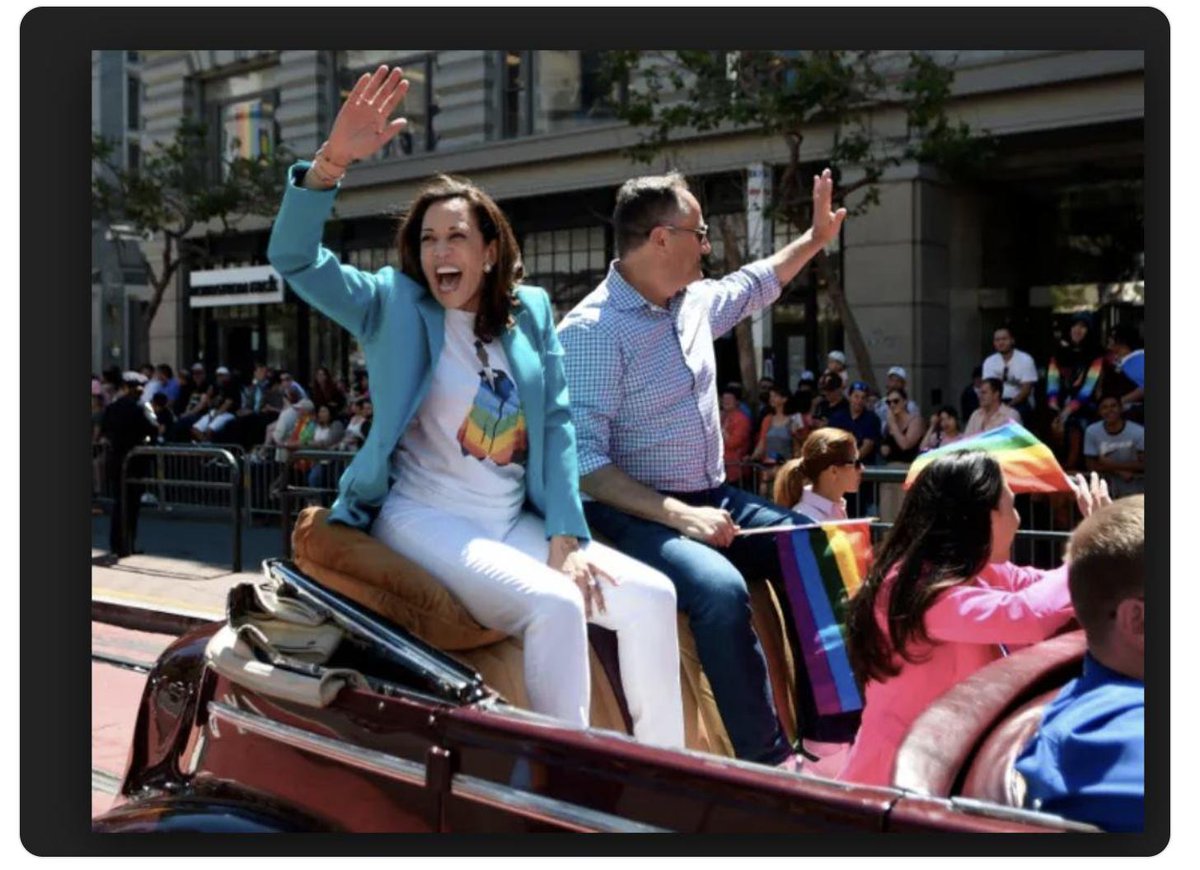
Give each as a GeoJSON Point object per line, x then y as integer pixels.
{"type": "Point", "coordinates": [55, 677]}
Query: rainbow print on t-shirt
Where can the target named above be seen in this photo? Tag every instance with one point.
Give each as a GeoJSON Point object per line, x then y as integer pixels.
{"type": "Point", "coordinates": [494, 427]}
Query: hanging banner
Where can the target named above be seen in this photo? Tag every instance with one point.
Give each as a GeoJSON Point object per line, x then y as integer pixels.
{"type": "Point", "coordinates": [248, 129]}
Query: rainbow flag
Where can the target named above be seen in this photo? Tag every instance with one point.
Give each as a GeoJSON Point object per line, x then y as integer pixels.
{"type": "Point", "coordinates": [1086, 382]}
{"type": "Point", "coordinates": [1028, 464]}
{"type": "Point", "coordinates": [823, 566]}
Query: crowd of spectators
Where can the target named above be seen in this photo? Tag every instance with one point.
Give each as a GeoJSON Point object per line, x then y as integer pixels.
{"type": "Point", "coordinates": [1086, 401]}
{"type": "Point", "coordinates": [265, 413]}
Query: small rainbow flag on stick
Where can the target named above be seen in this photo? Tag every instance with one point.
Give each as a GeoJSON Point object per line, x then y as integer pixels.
{"type": "Point", "coordinates": [823, 566]}
{"type": "Point", "coordinates": [1028, 464]}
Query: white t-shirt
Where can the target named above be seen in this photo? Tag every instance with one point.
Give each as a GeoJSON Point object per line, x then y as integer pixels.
{"type": "Point", "coordinates": [154, 385]}
{"type": "Point", "coordinates": [1017, 371]}
{"type": "Point", "coordinates": [465, 450]}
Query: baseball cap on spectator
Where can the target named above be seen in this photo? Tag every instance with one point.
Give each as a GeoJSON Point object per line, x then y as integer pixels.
{"type": "Point", "coordinates": [899, 372]}
{"type": "Point", "coordinates": [837, 356]}
{"type": "Point", "coordinates": [860, 385]}
{"type": "Point", "coordinates": [221, 370]}
{"type": "Point", "coordinates": [807, 376]}
{"type": "Point", "coordinates": [198, 367]}
{"type": "Point", "coordinates": [136, 379]}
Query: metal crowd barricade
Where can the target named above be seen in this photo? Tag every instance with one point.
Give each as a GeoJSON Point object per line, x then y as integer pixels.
{"type": "Point", "coordinates": [193, 476]}
{"type": "Point", "coordinates": [101, 491]}
{"type": "Point", "coordinates": [297, 482]}
{"type": "Point", "coordinates": [264, 475]}
{"type": "Point", "coordinates": [748, 474]}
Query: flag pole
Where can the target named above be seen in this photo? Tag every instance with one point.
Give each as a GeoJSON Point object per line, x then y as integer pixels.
{"type": "Point", "coordinates": [770, 529]}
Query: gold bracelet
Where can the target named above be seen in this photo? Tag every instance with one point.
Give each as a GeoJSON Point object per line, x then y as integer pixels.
{"type": "Point", "coordinates": [320, 163]}
{"type": "Point", "coordinates": [322, 177]}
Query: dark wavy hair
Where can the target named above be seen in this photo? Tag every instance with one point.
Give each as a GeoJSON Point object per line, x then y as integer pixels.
{"type": "Point", "coordinates": [942, 538]}
{"type": "Point", "coordinates": [497, 297]}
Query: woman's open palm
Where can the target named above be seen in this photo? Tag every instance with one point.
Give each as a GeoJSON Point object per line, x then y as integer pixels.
{"type": "Point", "coordinates": [362, 126]}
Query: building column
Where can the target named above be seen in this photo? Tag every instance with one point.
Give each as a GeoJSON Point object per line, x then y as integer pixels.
{"type": "Point", "coordinates": [759, 237]}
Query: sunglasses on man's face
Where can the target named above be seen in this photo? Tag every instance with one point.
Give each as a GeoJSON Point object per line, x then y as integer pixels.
{"type": "Point", "coordinates": [700, 232]}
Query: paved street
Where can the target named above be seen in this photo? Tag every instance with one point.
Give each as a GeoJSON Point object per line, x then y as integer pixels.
{"type": "Point", "coordinates": [184, 574]}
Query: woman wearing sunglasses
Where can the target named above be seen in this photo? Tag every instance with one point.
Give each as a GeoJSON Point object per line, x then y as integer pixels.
{"type": "Point", "coordinates": [816, 484]}
{"type": "Point", "coordinates": [902, 434]}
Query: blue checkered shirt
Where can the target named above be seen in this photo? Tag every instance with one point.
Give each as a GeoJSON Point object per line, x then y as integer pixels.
{"type": "Point", "coordinates": [642, 379]}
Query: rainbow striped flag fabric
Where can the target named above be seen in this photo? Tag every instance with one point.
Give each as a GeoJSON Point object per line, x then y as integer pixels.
{"type": "Point", "coordinates": [1028, 464]}
{"type": "Point", "coordinates": [1055, 389]}
{"type": "Point", "coordinates": [823, 565]}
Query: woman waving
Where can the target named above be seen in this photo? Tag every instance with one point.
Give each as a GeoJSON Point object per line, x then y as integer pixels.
{"type": "Point", "coordinates": [470, 468]}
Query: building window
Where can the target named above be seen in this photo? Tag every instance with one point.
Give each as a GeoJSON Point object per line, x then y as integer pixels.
{"type": "Point", "coordinates": [548, 91]}
{"type": "Point", "coordinates": [133, 155]}
{"type": "Point", "coordinates": [373, 259]}
{"type": "Point", "coordinates": [515, 93]}
{"type": "Point", "coordinates": [133, 102]}
{"type": "Point", "coordinates": [132, 57]}
{"type": "Point", "coordinates": [241, 113]}
{"type": "Point", "coordinates": [571, 90]}
{"type": "Point", "coordinates": [420, 103]}
{"type": "Point", "coordinates": [567, 264]}
{"type": "Point", "coordinates": [247, 128]}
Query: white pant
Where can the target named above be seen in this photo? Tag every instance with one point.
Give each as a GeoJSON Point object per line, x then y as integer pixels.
{"type": "Point", "coordinates": [502, 579]}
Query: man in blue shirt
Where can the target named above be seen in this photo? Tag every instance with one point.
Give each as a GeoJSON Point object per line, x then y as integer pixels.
{"type": "Point", "coordinates": [642, 378]}
{"type": "Point", "coordinates": [1087, 761]}
{"type": "Point", "coordinates": [859, 422]}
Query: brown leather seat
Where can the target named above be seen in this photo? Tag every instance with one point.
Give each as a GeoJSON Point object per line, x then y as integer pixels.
{"type": "Point", "coordinates": [364, 570]}
{"type": "Point", "coordinates": [943, 742]}
{"type": "Point", "coordinates": [992, 776]}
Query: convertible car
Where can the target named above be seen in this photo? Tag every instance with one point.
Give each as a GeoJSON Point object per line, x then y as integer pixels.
{"type": "Point", "coordinates": [322, 705]}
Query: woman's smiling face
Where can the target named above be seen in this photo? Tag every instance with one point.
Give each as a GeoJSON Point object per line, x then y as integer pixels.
{"type": "Point", "coordinates": [454, 256]}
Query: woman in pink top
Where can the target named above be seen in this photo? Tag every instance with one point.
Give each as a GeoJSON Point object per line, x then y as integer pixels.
{"type": "Point", "coordinates": [942, 600]}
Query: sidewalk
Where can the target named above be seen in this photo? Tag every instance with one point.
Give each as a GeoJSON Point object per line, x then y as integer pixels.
{"type": "Point", "coordinates": [182, 577]}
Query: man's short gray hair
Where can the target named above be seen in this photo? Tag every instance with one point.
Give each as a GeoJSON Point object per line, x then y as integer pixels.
{"type": "Point", "coordinates": [644, 203]}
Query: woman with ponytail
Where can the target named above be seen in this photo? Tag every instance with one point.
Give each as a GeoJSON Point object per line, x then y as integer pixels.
{"type": "Point", "coordinates": [816, 484]}
{"type": "Point", "coordinates": [942, 600]}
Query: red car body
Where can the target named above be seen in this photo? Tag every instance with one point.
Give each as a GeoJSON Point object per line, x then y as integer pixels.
{"type": "Point", "coordinates": [428, 747]}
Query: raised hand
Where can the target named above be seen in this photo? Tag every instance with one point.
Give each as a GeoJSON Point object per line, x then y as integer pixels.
{"type": "Point", "coordinates": [362, 126]}
{"type": "Point", "coordinates": [826, 221]}
{"type": "Point", "coordinates": [1090, 495]}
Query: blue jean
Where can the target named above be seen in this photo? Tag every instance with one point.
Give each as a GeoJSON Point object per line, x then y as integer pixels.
{"type": "Point", "coordinates": [710, 587]}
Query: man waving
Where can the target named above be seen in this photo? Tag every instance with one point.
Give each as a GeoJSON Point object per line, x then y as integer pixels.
{"type": "Point", "coordinates": [642, 379]}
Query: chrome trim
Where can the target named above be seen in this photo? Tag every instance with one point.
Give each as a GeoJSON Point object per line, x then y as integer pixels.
{"type": "Point", "coordinates": [975, 807]}
{"type": "Point", "coordinates": [105, 782]}
{"type": "Point", "coordinates": [526, 804]}
{"type": "Point", "coordinates": [369, 760]}
{"type": "Point", "coordinates": [140, 667]}
{"type": "Point", "coordinates": [446, 674]}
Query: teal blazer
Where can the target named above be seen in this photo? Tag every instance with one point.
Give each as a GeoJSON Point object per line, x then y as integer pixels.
{"type": "Point", "coordinates": [400, 327]}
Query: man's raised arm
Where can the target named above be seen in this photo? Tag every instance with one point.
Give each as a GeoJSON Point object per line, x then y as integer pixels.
{"type": "Point", "coordinates": [790, 259]}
